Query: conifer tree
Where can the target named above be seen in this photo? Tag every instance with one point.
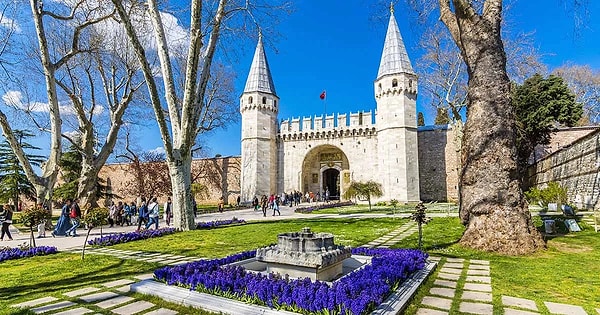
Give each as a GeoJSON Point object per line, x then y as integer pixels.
{"type": "Point", "coordinates": [13, 181]}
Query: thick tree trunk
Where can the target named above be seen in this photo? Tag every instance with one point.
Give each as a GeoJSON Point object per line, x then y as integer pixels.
{"type": "Point", "coordinates": [87, 188]}
{"type": "Point", "coordinates": [492, 205]}
{"type": "Point", "coordinates": [183, 214]}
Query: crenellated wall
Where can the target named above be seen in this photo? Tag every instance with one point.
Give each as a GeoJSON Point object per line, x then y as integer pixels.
{"type": "Point", "coordinates": [307, 125]}
{"type": "Point", "coordinates": [576, 167]}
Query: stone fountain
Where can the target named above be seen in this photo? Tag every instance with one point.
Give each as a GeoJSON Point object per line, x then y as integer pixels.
{"type": "Point", "coordinates": [305, 255]}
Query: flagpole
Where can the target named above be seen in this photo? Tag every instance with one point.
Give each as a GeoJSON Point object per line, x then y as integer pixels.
{"type": "Point", "coordinates": [325, 104]}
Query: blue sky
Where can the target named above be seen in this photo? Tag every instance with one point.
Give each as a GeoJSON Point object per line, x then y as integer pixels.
{"type": "Point", "coordinates": [337, 46]}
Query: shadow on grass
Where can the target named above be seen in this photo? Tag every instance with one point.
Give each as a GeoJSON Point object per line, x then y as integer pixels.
{"type": "Point", "coordinates": [72, 280]}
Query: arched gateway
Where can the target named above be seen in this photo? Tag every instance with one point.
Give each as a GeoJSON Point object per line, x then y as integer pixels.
{"type": "Point", "coordinates": [312, 154]}
{"type": "Point", "coordinates": [323, 170]}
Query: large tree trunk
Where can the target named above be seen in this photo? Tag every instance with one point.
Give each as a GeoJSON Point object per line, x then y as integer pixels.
{"type": "Point", "coordinates": [492, 205]}
{"type": "Point", "coordinates": [183, 214]}
{"type": "Point", "coordinates": [87, 188]}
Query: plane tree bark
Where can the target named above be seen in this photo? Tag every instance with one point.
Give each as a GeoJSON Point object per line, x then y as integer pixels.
{"type": "Point", "coordinates": [492, 205]}
{"type": "Point", "coordinates": [189, 114]}
{"type": "Point", "coordinates": [51, 61]}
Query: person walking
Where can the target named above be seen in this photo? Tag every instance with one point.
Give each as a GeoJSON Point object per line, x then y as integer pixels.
{"type": "Point", "coordinates": [143, 214]}
{"type": "Point", "coordinates": [276, 206]}
{"type": "Point", "coordinates": [75, 216]}
{"type": "Point", "coordinates": [64, 221]}
{"type": "Point", "coordinates": [264, 200]}
{"type": "Point", "coordinates": [112, 214]}
{"type": "Point", "coordinates": [168, 211]}
{"type": "Point", "coordinates": [153, 214]}
{"type": "Point", "coordinates": [221, 204]}
{"type": "Point", "coordinates": [6, 220]}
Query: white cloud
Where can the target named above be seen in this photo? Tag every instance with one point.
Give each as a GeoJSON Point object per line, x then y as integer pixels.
{"type": "Point", "coordinates": [74, 134]}
{"type": "Point", "coordinates": [15, 99]}
{"type": "Point", "coordinates": [158, 150]}
{"type": "Point", "coordinates": [10, 24]}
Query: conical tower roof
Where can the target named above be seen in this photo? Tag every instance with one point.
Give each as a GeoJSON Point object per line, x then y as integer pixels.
{"type": "Point", "coordinates": [259, 78]}
{"type": "Point", "coordinates": [394, 58]}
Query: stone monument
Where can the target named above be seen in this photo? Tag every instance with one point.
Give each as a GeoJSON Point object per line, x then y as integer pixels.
{"type": "Point", "coordinates": [305, 255]}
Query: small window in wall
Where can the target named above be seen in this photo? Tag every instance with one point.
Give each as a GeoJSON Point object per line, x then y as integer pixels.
{"type": "Point", "coordinates": [275, 103]}
{"type": "Point", "coordinates": [360, 118]}
{"type": "Point", "coordinates": [264, 100]}
{"type": "Point", "coordinates": [409, 83]}
{"type": "Point", "coordinates": [380, 87]}
{"type": "Point", "coordinates": [395, 83]}
{"type": "Point", "coordinates": [250, 100]}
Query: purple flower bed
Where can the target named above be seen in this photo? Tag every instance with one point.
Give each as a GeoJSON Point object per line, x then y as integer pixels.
{"type": "Point", "coordinates": [119, 238]}
{"type": "Point", "coordinates": [218, 223]}
{"type": "Point", "coordinates": [323, 206]}
{"type": "Point", "coordinates": [359, 292]}
{"type": "Point", "coordinates": [16, 253]}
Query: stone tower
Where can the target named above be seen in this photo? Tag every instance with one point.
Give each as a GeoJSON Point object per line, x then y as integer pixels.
{"type": "Point", "coordinates": [259, 106]}
{"type": "Point", "coordinates": [396, 119]}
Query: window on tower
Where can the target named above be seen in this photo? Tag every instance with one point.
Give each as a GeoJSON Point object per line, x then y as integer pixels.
{"type": "Point", "coordinates": [409, 83]}
{"type": "Point", "coordinates": [250, 100]}
{"type": "Point", "coordinates": [264, 100]}
{"type": "Point", "coordinates": [395, 83]}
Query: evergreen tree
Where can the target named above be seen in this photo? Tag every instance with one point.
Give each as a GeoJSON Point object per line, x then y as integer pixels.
{"type": "Point", "coordinates": [13, 181]}
{"type": "Point", "coordinates": [442, 117]}
{"type": "Point", "coordinates": [70, 165]}
{"type": "Point", "coordinates": [420, 119]}
{"type": "Point", "coordinates": [541, 105]}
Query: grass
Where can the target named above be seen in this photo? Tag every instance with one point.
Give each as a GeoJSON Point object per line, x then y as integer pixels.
{"type": "Point", "coordinates": [566, 272]}
{"type": "Point", "coordinates": [37, 277]}
{"type": "Point", "coordinates": [229, 240]}
{"type": "Point", "coordinates": [387, 209]}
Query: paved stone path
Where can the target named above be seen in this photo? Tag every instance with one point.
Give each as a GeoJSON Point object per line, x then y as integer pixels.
{"type": "Point", "coordinates": [164, 259]}
{"type": "Point", "coordinates": [110, 297]}
{"type": "Point", "coordinates": [474, 278]}
{"type": "Point", "coordinates": [395, 236]}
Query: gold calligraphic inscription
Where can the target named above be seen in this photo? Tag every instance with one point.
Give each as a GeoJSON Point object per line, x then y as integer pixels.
{"type": "Point", "coordinates": [331, 156]}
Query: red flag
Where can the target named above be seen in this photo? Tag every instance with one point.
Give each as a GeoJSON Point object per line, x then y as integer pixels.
{"type": "Point", "coordinates": [322, 96]}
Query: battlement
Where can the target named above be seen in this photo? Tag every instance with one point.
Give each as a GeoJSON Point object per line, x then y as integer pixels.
{"type": "Point", "coordinates": [340, 124]}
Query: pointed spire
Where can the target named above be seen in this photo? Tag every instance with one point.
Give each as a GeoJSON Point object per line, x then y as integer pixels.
{"type": "Point", "coordinates": [394, 58]}
{"type": "Point", "coordinates": [259, 78]}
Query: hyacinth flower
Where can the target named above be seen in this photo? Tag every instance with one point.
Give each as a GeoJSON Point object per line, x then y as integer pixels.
{"type": "Point", "coordinates": [218, 223]}
{"type": "Point", "coordinates": [130, 237]}
{"type": "Point", "coordinates": [16, 253]}
{"type": "Point", "coordinates": [357, 293]}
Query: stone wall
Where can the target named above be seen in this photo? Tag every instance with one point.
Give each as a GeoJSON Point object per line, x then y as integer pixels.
{"type": "Point", "coordinates": [220, 175]}
{"type": "Point", "coordinates": [438, 163]}
{"type": "Point", "coordinates": [576, 167]}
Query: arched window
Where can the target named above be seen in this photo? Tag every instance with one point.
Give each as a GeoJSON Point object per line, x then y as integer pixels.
{"type": "Point", "coordinates": [264, 100]}
{"type": "Point", "coordinates": [275, 103]}
{"type": "Point", "coordinates": [380, 88]}
{"type": "Point", "coordinates": [409, 83]}
{"type": "Point", "coordinates": [250, 100]}
{"type": "Point", "coordinates": [395, 83]}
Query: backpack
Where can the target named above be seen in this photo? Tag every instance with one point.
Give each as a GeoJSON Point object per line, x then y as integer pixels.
{"type": "Point", "coordinates": [73, 213]}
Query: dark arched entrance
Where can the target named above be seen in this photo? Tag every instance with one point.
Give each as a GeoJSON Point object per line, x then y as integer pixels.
{"type": "Point", "coordinates": [331, 182]}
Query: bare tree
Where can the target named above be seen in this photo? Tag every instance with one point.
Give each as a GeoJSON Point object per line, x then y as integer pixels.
{"type": "Point", "coordinates": [585, 84]}
{"type": "Point", "coordinates": [189, 113]}
{"type": "Point", "coordinates": [100, 84]}
{"type": "Point", "coordinates": [79, 18]}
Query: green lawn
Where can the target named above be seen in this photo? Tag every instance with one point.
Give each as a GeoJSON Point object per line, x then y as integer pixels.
{"type": "Point", "coordinates": [566, 272]}
{"type": "Point", "coordinates": [228, 240]}
{"type": "Point", "coordinates": [37, 277]}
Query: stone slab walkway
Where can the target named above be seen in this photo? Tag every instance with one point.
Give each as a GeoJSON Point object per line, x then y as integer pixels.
{"type": "Point", "coordinates": [394, 237]}
{"type": "Point", "coordinates": [96, 299]}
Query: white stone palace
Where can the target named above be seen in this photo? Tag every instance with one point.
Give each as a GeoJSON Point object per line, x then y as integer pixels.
{"type": "Point", "coordinates": [316, 154]}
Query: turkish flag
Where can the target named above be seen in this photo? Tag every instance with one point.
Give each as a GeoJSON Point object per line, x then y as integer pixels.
{"type": "Point", "coordinates": [322, 96]}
